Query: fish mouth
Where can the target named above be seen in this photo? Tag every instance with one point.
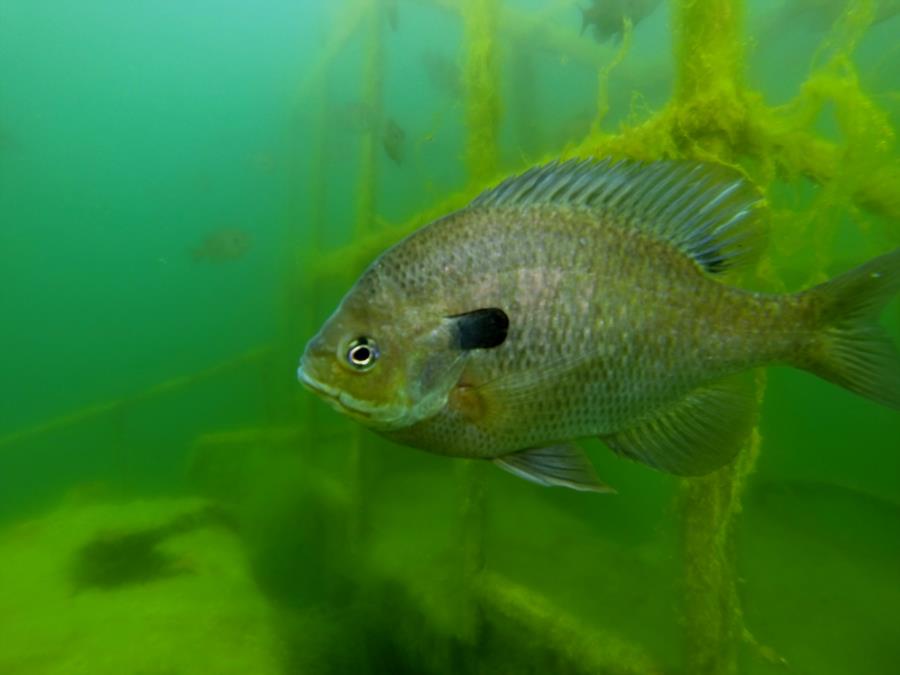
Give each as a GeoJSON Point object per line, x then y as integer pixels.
{"type": "Point", "coordinates": [339, 400]}
{"type": "Point", "coordinates": [378, 417]}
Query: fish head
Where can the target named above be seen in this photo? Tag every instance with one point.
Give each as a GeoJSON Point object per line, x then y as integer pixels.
{"type": "Point", "coordinates": [383, 359]}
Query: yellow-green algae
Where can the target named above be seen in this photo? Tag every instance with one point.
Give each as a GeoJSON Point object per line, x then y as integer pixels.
{"type": "Point", "coordinates": [482, 84]}
{"type": "Point", "coordinates": [205, 614]}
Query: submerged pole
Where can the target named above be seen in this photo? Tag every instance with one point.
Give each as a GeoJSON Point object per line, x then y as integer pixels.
{"type": "Point", "coordinates": [481, 77]}
{"type": "Point", "coordinates": [710, 111]}
{"type": "Point", "coordinates": [372, 95]}
{"type": "Point", "coordinates": [304, 272]}
{"type": "Point", "coordinates": [712, 617]}
{"type": "Point", "coordinates": [709, 48]}
{"type": "Point", "coordinates": [152, 393]}
{"type": "Point", "coordinates": [710, 118]}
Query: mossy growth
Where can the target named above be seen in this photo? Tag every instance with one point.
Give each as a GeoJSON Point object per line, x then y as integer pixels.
{"type": "Point", "coordinates": [144, 586]}
{"type": "Point", "coordinates": [482, 84]}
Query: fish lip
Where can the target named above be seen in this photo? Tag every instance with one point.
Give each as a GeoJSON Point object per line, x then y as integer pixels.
{"type": "Point", "coordinates": [312, 383]}
{"type": "Point", "coordinates": [339, 399]}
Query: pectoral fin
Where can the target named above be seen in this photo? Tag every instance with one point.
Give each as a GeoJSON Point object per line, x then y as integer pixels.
{"type": "Point", "coordinates": [700, 433]}
{"type": "Point", "coordinates": [562, 465]}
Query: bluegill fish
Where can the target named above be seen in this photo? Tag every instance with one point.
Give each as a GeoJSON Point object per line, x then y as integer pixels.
{"type": "Point", "coordinates": [226, 243]}
{"type": "Point", "coordinates": [393, 139]}
{"type": "Point", "coordinates": [581, 299]}
{"type": "Point", "coordinates": [607, 17]}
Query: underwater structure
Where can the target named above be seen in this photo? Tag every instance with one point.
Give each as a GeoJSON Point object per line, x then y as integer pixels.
{"type": "Point", "coordinates": [313, 481]}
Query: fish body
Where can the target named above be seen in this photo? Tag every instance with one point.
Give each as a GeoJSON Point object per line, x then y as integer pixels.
{"type": "Point", "coordinates": [581, 300]}
{"type": "Point", "coordinates": [606, 18]}
{"type": "Point", "coordinates": [224, 244]}
{"type": "Point", "coordinates": [393, 15]}
{"type": "Point", "coordinates": [443, 73]}
{"type": "Point", "coordinates": [393, 139]}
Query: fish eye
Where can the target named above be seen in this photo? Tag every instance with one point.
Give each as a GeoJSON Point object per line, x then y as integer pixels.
{"type": "Point", "coordinates": [362, 353]}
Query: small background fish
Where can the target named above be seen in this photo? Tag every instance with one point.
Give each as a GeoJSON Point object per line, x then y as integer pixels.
{"type": "Point", "coordinates": [222, 245]}
{"type": "Point", "coordinates": [393, 139]}
{"type": "Point", "coordinates": [606, 18]}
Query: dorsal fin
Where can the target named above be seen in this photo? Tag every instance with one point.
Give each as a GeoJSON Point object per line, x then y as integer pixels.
{"type": "Point", "coordinates": [708, 211]}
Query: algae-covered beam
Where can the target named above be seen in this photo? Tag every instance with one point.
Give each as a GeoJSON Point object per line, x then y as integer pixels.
{"type": "Point", "coordinates": [541, 628]}
{"type": "Point", "coordinates": [709, 53]}
{"type": "Point", "coordinates": [350, 19]}
{"type": "Point", "coordinates": [481, 75]}
{"type": "Point", "coordinates": [372, 94]}
{"type": "Point", "coordinates": [712, 616]}
{"type": "Point", "coordinates": [537, 31]}
{"type": "Point", "coordinates": [102, 409]}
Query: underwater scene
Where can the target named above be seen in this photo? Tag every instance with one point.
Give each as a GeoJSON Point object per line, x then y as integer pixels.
{"type": "Point", "coordinates": [450, 336]}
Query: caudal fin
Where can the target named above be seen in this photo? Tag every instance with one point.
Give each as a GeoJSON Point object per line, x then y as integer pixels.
{"type": "Point", "coordinates": [852, 350]}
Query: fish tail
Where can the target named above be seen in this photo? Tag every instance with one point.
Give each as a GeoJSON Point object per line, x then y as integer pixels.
{"type": "Point", "coordinates": [849, 347]}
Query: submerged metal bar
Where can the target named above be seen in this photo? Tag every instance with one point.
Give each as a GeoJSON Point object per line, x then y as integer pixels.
{"type": "Point", "coordinates": [541, 34]}
{"type": "Point", "coordinates": [713, 620]}
{"type": "Point", "coordinates": [482, 84]}
{"type": "Point", "coordinates": [709, 49]}
{"type": "Point", "coordinates": [156, 391]}
{"type": "Point", "coordinates": [302, 281]}
{"type": "Point", "coordinates": [534, 623]}
{"type": "Point", "coordinates": [350, 19]}
{"type": "Point", "coordinates": [709, 88]}
{"type": "Point", "coordinates": [372, 94]}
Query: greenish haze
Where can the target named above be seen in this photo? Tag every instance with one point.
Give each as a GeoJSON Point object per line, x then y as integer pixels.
{"type": "Point", "coordinates": [142, 386]}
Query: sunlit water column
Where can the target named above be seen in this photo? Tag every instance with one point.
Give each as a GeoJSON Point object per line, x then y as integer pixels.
{"type": "Point", "coordinates": [710, 107]}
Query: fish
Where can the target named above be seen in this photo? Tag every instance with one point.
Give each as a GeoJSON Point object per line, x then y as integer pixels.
{"type": "Point", "coordinates": [393, 139]}
{"type": "Point", "coordinates": [607, 18]}
{"type": "Point", "coordinates": [588, 299]}
{"type": "Point", "coordinates": [393, 16]}
{"type": "Point", "coordinates": [444, 75]}
{"type": "Point", "coordinates": [223, 244]}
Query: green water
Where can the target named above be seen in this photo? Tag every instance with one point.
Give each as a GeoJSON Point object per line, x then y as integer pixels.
{"type": "Point", "coordinates": [172, 501]}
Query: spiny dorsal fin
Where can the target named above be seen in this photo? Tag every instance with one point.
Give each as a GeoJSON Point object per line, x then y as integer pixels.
{"type": "Point", "coordinates": [697, 435]}
{"type": "Point", "coordinates": [708, 211]}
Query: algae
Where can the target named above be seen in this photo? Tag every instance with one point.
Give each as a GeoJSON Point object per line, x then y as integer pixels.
{"type": "Point", "coordinates": [168, 593]}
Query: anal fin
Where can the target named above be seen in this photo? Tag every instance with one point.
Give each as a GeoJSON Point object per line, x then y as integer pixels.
{"type": "Point", "coordinates": [700, 433]}
{"type": "Point", "coordinates": [563, 465]}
